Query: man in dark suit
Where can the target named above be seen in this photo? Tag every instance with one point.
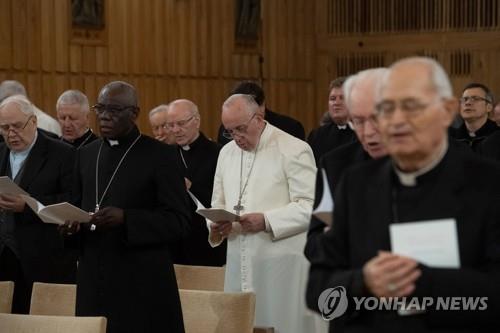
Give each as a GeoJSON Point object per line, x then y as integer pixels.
{"type": "Point", "coordinates": [475, 105]}
{"type": "Point", "coordinates": [360, 92]}
{"type": "Point", "coordinates": [30, 250]}
{"type": "Point", "coordinates": [197, 156]}
{"type": "Point", "coordinates": [424, 179]}
{"type": "Point", "coordinates": [133, 186]}
{"type": "Point", "coordinates": [337, 132]}
{"type": "Point", "coordinates": [283, 122]}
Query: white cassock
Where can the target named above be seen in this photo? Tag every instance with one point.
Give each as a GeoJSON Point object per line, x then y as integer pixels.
{"type": "Point", "coordinates": [271, 264]}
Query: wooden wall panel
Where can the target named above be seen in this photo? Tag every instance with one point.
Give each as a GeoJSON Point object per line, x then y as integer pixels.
{"type": "Point", "coordinates": [168, 49]}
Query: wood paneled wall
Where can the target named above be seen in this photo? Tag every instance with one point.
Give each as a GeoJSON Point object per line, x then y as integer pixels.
{"type": "Point", "coordinates": [168, 49]}
{"type": "Point", "coordinates": [464, 36]}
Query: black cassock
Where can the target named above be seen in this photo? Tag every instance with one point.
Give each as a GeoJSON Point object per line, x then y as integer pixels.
{"type": "Point", "coordinates": [84, 140]}
{"type": "Point", "coordinates": [334, 163]}
{"type": "Point", "coordinates": [199, 160]}
{"type": "Point", "coordinates": [370, 197]}
{"type": "Point", "coordinates": [328, 137]}
{"type": "Point", "coordinates": [126, 273]}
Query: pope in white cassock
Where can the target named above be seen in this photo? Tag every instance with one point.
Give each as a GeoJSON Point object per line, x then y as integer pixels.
{"type": "Point", "coordinates": [267, 177]}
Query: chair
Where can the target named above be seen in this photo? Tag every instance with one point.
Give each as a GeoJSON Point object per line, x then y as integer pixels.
{"type": "Point", "coordinates": [200, 277]}
{"type": "Point", "coordinates": [6, 294]}
{"type": "Point", "coordinates": [14, 323]}
{"type": "Point", "coordinates": [53, 299]}
{"type": "Point", "coordinates": [217, 312]}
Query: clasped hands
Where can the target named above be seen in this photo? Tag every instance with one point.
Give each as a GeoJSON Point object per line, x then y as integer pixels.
{"type": "Point", "coordinates": [391, 275]}
{"type": "Point", "coordinates": [250, 223]}
{"type": "Point", "coordinates": [104, 219]}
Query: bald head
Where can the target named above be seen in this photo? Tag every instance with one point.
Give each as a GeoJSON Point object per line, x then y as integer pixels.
{"type": "Point", "coordinates": [118, 93]}
{"type": "Point", "coordinates": [116, 109]}
{"type": "Point", "coordinates": [242, 120]}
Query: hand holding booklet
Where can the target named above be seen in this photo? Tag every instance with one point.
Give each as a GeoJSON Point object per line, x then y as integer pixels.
{"type": "Point", "coordinates": [324, 211]}
{"type": "Point", "coordinates": [213, 214]}
{"type": "Point", "coordinates": [58, 213]}
{"type": "Point", "coordinates": [7, 186]}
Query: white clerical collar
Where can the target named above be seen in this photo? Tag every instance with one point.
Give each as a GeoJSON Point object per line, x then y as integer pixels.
{"type": "Point", "coordinates": [186, 147]}
{"type": "Point", "coordinates": [472, 134]}
{"type": "Point", "coordinates": [342, 127]}
{"type": "Point", "coordinates": [113, 142]}
{"type": "Point", "coordinates": [410, 178]}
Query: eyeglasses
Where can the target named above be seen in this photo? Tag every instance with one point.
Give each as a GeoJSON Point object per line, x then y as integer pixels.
{"type": "Point", "coordinates": [359, 122]}
{"type": "Point", "coordinates": [111, 109]}
{"type": "Point", "coordinates": [16, 128]}
{"type": "Point", "coordinates": [473, 99]}
{"type": "Point", "coordinates": [180, 123]}
{"type": "Point", "coordinates": [411, 107]}
{"type": "Point", "coordinates": [238, 130]}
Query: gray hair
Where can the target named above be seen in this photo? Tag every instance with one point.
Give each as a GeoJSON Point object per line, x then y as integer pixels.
{"type": "Point", "coordinates": [159, 108]}
{"type": "Point", "coordinates": [193, 107]}
{"type": "Point", "coordinates": [71, 97]}
{"type": "Point", "coordinates": [374, 74]}
{"type": "Point", "coordinates": [249, 101]}
{"type": "Point", "coordinates": [439, 78]}
{"type": "Point", "coordinates": [10, 88]}
{"type": "Point", "coordinates": [22, 102]}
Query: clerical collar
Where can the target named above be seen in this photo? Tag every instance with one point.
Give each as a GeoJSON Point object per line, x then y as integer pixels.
{"type": "Point", "coordinates": [410, 178]}
{"type": "Point", "coordinates": [342, 127]}
{"type": "Point", "coordinates": [125, 140]}
{"type": "Point", "coordinates": [193, 144]}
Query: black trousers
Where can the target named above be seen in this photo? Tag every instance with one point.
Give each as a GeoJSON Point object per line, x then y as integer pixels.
{"type": "Point", "coordinates": [11, 270]}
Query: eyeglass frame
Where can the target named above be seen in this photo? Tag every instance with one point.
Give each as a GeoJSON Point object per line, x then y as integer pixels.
{"type": "Point", "coordinates": [474, 99]}
{"type": "Point", "coordinates": [228, 133]}
{"type": "Point", "coordinates": [113, 110]}
{"type": "Point", "coordinates": [361, 124]}
{"type": "Point", "coordinates": [12, 127]}
{"type": "Point", "coordinates": [179, 123]}
{"type": "Point", "coordinates": [407, 111]}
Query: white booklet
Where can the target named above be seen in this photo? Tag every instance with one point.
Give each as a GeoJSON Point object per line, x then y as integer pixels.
{"type": "Point", "coordinates": [57, 213]}
{"type": "Point", "coordinates": [433, 243]}
{"type": "Point", "coordinates": [7, 186]}
{"type": "Point", "coordinates": [324, 211]}
{"type": "Point", "coordinates": [213, 214]}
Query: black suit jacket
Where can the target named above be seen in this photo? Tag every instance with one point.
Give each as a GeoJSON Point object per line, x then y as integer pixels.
{"type": "Point", "coordinates": [464, 187]}
{"type": "Point", "coordinates": [283, 122]}
{"type": "Point", "coordinates": [328, 137]}
{"type": "Point", "coordinates": [198, 164]}
{"type": "Point", "coordinates": [490, 147]}
{"type": "Point", "coordinates": [126, 273]}
{"type": "Point", "coordinates": [461, 134]}
{"type": "Point", "coordinates": [334, 163]}
{"type": "Point", "coordinates": [47, 177]}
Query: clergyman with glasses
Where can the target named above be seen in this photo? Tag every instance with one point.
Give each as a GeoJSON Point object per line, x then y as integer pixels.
{"type": "Point", "coordinates": [360, 92]}
{"type": "Point", "coordinates": [423, 180]}
{"type": "Point", "coordinates": [197, 156]}
{"type": "Point", "coordinates": [265, 176]}
{"type": "Point", "coordinates": [475, 105]}
{"type": "Point", "coordinates": [133, 186]}
{"type": "Point", "coordinates": [31, 250]}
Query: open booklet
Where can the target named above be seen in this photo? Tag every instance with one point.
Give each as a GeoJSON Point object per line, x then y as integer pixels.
{"type": "Point", "coordinates": [324, 211]}
{"type": "Point", "coordinates": [7, 186]}
{"type": "Point", "coordinates": [57, 213]}
{"type": "Point", "coordinates": [213, 214]}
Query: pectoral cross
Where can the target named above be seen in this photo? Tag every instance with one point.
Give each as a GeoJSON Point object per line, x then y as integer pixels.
{"type": "Point", "coordinates": [238, 208]}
